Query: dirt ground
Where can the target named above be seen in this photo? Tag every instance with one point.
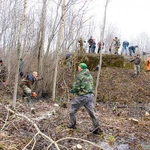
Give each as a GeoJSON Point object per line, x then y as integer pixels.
{"type": "Point", "coordinates": [121, 106]}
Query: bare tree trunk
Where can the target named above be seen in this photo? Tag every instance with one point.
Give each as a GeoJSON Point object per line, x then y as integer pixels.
{"type": "Point", "coordinates": [58, 46]}
{"type": "Point", "coordinates": [18, 54]}
{"type": "Point", "coordinates": [9, 59]}
{"type": "Point", "coordinates": [100, 60]}
{"type": "Point", "coordinates": [10, 49]}
{"type": "Point", "coordinates": [53, 32]}
{"type": "Point", "coordinates": [41, 46]}
{"type": "Point", "coordinates": [42, 36]}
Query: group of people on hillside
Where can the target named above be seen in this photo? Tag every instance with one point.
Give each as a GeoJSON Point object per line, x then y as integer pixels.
{"type": "Point", "coordinates": [83, 87]}
{"type": "Point", "coordinates": [126, 48]}
{"type": "Point", "coordinates": [92, 45]}
{"type": "Point", "coordinates": [114, 46]}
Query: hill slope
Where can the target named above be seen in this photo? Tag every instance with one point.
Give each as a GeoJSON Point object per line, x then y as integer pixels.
{"type": "Point", "coordinates": [122, 103]}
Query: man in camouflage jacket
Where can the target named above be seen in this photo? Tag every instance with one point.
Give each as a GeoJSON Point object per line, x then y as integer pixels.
{"type": "Point", "coordinates": [116, 45]}
{"type": "Point", "coordinates": [3, 72]}
{"type": "Point", "coordinates": [84, 88]}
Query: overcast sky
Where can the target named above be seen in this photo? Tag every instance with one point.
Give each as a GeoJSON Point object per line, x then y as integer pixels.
{"type": "Point", "coordinates": [131, 17]}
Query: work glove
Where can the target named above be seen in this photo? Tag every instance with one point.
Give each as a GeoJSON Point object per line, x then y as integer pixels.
{"type": "Point", "coordinates": [72, 91]}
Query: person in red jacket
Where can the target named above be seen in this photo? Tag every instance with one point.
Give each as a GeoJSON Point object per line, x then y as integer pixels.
{"type": "Point", "coordinates": [148, 64]}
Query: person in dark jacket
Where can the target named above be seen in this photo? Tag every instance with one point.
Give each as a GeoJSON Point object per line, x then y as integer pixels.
{"type": "Point", "coordinates": [132, 49]}
{"type": "Point", "coordinates": [136, 62]}
{"type": "Point", "coordinates": [97, 68]}
{"type": "Point", "coordinates": [21, 68]}
{"type": "Point", "coordinates": [90, 41]}
{"type": "Point", "coordinates": [93, 46]}
{"type": "Point", "coordinates": [3, 72]}
{"type": "Point", "coordinates": [68, 61]}
{"type": "Point", "coordinates": [27, 83]}
{"type": "Point", "coordinates": [125, 45]}
{"type": "Point", "coordinates": [100, 46]}
{"type": "Point", "coordinates": [84, 88]}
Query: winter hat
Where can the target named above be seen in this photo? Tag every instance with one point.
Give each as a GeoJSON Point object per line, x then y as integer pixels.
{"type": "Point", "coordinates": [83, 66]}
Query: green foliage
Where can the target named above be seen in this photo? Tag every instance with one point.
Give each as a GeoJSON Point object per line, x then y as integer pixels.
{"type": "Point", "coordinates": [111, 140]}
{"type": "Point", "coordinates": [1, 146]}
{"type": "Point", "coordinates": [92, 60]}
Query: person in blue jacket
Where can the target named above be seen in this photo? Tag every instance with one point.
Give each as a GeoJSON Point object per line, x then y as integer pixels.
{"type": "Point", "coordinates": [125, 45]}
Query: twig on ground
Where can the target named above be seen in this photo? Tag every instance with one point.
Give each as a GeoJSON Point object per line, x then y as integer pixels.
{"type": "Point", "coordinates": [34, 124]}
{"type": "Point", "coordinates": [43, 135]}
{"type": "Point", "coordinates": [5, 120]}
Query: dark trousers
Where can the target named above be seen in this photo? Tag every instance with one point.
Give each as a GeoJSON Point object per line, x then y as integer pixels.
{"type": "Point", "coordinates": [88, 102]}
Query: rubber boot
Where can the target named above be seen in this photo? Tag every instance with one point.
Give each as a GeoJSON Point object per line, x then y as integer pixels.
{"type": "Point", "coordinates": [28, 96]}
{"type": "Point", "coordinates": [71, 126]}
{"type": "Point", "coordinates": [96, 130]}
{"type": "Point", "coordinates": [135, 75]}
{"type": "Point", "coordinates": [33, 110]}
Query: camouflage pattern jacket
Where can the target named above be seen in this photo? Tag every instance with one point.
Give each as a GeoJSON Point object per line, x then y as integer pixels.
{"type": "Point", "coordinates": [84, 83]}
{"type": "Point", "coordinates": [3, 73]}
{"type": "Point", "coordinates": [117, 43]}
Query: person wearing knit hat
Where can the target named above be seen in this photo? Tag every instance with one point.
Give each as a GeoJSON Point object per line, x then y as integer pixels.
{"type": "Point", "coordinates": [84, 88]}
{"type": "Point", "coordinates": [83, 65]}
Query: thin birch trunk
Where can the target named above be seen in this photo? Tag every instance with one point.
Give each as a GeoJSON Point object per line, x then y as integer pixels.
{"type": "Point", "coordinates": [53, 33]}
{"type": "Point", "coordinates": [18, 54]}
{"type": "Point", "coordinates": [58, 46]}
{"type": "Point", "coordinates": [100, 60]}
{"type": "Point", "coordinates": [9, 57]}
{"type": "Point", "coordinates": [12, 43]}
{"type": "Point", "coordinates": [42, 37]}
